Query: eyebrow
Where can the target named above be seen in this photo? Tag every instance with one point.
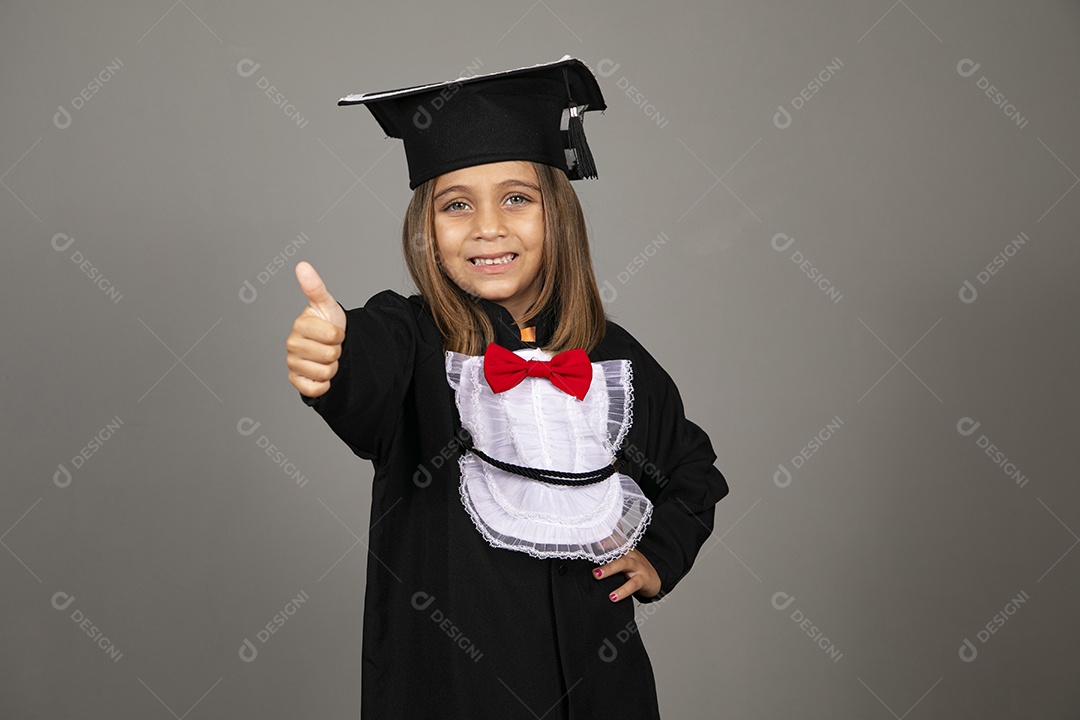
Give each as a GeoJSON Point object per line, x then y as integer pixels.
{"type": "Point", "coordinates": [504, 184]}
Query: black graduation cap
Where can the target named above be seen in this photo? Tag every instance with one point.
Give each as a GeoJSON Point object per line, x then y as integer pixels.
{"type": "Point", "coordinates": [531, 113]}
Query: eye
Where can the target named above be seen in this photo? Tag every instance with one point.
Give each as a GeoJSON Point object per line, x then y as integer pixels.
{"type": "Point", "coordinates": [455, 206]}
{"type": "Point", "coordinates": [521, 198]}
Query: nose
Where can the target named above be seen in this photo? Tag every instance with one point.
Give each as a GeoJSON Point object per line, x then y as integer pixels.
{"type": "Point", "coordinates": [489, 223]}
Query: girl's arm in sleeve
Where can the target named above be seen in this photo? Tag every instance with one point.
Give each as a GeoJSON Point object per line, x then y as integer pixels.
{"type": "Point", "coordinates": [682, 482]}
{"type": "Point", "coordinates": [364, 404]}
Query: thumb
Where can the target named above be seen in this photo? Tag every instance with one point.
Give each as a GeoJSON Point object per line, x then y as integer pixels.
{"type": "Point", "coordinates": [320, 299]}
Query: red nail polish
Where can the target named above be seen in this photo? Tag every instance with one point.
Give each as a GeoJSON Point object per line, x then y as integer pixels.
{"type": "Point", "coordinates": [614, 597]}
{"type": "Point", "coordinates": [597, 572]}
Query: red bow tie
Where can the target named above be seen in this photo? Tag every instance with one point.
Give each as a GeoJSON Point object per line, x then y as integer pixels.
{"type": "Point", "coordinates": [569, 371]}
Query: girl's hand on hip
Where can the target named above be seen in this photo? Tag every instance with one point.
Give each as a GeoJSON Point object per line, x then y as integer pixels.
{"type": "Point", "coordinates": [642, 575]}
{"type": "Point", "coordinates": [314, 345]}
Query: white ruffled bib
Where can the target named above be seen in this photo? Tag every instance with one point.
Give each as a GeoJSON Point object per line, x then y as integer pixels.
{"type": "Point", "coordinates": [535, 424]}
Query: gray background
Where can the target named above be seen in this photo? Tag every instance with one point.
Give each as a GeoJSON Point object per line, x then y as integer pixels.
{"type": "Point", "coordinates": [179, 180]}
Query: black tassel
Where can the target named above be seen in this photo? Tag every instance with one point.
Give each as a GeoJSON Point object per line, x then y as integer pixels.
{"type": "Point", "coordinates": [586, 168]}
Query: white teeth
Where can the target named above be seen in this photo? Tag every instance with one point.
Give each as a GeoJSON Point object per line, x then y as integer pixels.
{"type": "Point", "coordinates": [497, 261]}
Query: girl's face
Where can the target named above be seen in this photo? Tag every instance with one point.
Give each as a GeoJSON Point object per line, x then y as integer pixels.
{"type": "Point", "coordinates": [489, 232]}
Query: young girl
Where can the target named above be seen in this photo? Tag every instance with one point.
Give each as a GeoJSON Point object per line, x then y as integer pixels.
{"type": "Point", "coordinates": [533, 465]}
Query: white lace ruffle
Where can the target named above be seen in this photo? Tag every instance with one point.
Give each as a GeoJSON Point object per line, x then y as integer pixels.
{"type": "Point", "coordinates": [536, 424]}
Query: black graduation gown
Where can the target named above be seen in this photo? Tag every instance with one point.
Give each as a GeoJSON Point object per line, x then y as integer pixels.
{"type": "Point", "coordinates": [454, 628]}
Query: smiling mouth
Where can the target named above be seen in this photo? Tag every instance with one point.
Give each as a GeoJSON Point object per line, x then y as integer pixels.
{"type": "Point", "coordinates": [501, 260]}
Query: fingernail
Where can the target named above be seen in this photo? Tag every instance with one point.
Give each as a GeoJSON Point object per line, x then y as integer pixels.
{"type": "Point", "coordinates": [614, 597]}
{"type": "Point", "coordinates": [598, 572]}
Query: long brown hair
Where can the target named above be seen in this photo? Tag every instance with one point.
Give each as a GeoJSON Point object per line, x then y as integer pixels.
{"type": "Point", "coordinates": [568, 283]}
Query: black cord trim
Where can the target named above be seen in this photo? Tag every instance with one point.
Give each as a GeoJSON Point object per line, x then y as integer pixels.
{"type": "Point", "coordinates": [552, 477]}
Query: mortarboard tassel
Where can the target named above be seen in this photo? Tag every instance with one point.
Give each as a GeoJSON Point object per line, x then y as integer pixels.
{"type": "Point", "coordinates": [585, 166]}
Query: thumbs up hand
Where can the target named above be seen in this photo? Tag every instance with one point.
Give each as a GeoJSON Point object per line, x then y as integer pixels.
{"type": "Point", "coordinates": [314, 345]}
